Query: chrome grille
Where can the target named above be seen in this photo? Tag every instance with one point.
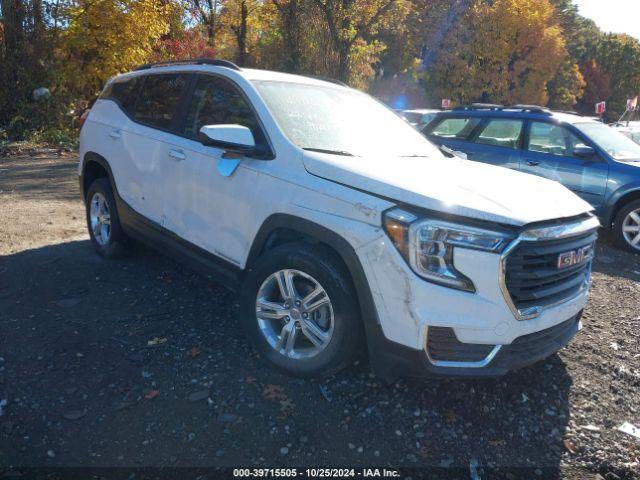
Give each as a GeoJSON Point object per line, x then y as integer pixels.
{"type": "Point", "coordinates": [533, 277]}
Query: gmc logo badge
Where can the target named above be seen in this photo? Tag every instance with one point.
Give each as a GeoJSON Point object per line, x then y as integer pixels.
{"type": "Point", "coordinates": [575, 257]}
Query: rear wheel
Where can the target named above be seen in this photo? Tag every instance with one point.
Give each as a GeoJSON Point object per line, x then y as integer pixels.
{"type": "Point", "coordinates": [626, 229]}
{"type": "Point", "coordinates": [103, 222]}
{"type": "Point", "coordinates": [298, 306]}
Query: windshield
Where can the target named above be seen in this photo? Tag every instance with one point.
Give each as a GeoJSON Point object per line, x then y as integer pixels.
{"type": "Point", "coordinates": [341, 121]}
{"type": "Point", "coordinates": [611, 141]}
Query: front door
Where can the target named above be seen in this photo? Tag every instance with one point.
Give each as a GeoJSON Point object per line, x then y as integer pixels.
{"type": "Point", "coordinates": [206, 204]}
{"type": "Point", "coordinates": [549, 153]}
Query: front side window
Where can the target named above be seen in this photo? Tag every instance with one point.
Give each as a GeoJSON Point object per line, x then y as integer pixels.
{"type": "Point", "coordinates": [341, 121]}
{"type": "Point", "coordinates": [455, 128]}
{"type": "Point", "coordinates": [552, 139]}
{"type": "Point", "coordinates": [216, 102]}
{"type": "Point", "coordinates": [501, 133]}
{"type": "Point", "coordinates": [158, 101]}
{"type": "Point", "coordinates": [610, 140]}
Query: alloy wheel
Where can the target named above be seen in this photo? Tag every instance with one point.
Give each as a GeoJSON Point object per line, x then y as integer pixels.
{"type": "Point", "coordinates": [631, 228]}
{"type": "Point", "coordinates": [294, 314]}
{"type": "Point", "coordinates": [100, 218]}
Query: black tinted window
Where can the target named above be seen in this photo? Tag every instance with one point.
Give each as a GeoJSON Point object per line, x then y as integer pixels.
{"type": "Point", "coordinates": [125, 92]}
{"type": "Point", "coordinates": [217, 102]}
{"type": "Point", "coordinates": [158, 101]}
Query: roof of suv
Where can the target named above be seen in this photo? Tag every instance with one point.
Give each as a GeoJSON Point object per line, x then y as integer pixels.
{"type": "Point", "coordinates": [210, 65]}
{"type": "Point", "coordinates": [527, 111]}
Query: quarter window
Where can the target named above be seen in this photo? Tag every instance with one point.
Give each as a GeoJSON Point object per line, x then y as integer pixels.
{"type": "Point", "coordinates": [455, 128]}
{"type": "Point", "coordinates": [216, 102]}
{"type": "Point", "coordinates": [158, 102]}
{"type": "Point", "coordinates": [552, 139]}
{"type": "Point", "coordinates": [501, 133]}
{"type": "Point", "coordinates": [124, 92]}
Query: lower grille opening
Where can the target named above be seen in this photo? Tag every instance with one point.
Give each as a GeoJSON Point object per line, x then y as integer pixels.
{"type": "Point", "coordinates": [443, 346]}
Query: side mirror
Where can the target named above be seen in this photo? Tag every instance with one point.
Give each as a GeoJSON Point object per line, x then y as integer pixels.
{"type": "Point", "coordinates": [583, 151]}
{"type": "Point", "coordinates": [232, 138]}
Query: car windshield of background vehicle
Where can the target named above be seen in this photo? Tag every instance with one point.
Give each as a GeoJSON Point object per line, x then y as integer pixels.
{"type": "Point", "coordinates": [341, 121]}
{"type": "Point", "coordinates": [611, 141]}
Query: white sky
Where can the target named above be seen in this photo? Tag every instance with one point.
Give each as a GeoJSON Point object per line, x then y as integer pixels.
{"type": "Point", "coordinates": [619, 16]}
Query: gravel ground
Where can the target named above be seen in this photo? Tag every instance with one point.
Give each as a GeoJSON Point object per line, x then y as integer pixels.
{"type": "Point", "coordinates": [140, 362]}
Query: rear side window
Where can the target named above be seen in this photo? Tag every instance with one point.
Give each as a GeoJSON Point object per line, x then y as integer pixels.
{"type": "Point", "coordinates": [501, 133]}
{"type": "Point", "coordinates": [124, 92]}
{"type": "Point", "coordinates": [455, 128]}
{"type": "Point", "coordinates": [217, 102]}
{"type": "Point", "coordinates": [552, 139]}
{"type": "Point", "coordinates": [159, 98]}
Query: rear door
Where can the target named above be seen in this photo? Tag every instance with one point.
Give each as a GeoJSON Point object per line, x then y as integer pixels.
{"type": "Point", "coordinates": [548, 152]}
{"type": "Point", "coordinates": [497, 141]}
{"type": "Point", "coordinates": [454, 133]}
{"type": "Point", "coordinates": [156, 119]}
{"type": "Point", "coordinates": [113, 113]}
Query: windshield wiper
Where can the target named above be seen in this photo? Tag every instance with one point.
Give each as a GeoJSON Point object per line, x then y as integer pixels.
{"type": "Point", "coordinates": [332, 152]}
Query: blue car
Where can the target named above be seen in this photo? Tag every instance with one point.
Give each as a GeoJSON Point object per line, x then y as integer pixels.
{"type": "Point", "coordinates": [590, 158]}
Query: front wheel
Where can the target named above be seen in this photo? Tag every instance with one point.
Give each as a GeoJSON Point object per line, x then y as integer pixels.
{"type": "Point", "coordinates": [299, 309]}
{"type": "Point", "coordinates": [626, 228]}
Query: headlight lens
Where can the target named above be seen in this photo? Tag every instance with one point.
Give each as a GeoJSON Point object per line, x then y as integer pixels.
{"type": "Point", "coordinates": [428, 245]}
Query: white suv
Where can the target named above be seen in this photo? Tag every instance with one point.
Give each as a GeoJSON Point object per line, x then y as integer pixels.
{"type": "Point", "coordinates": [339, 225]}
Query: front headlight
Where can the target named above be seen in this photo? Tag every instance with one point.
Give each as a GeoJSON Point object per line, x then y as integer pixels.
{"type": "Point", "coordinates": [428, 245]}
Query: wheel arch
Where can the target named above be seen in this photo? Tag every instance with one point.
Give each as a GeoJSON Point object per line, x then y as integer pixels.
{"type": "Point", "coordinates": [623, 199]}
{"type": "Point", "coordinates": [283, 228]}
{"type": "Point", "coordinates": [94, 166]}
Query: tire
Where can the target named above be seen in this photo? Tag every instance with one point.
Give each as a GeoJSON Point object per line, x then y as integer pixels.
{"type": "Point", "coordinates": [305, 264]}
{"type": "Point", "coordinates": [625, 220]}
{"type": "Point", "coordinates": [115, 243]}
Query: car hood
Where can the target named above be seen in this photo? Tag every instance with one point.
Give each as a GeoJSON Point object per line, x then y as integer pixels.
{"type": "Point", "coordinates": [454, 186]}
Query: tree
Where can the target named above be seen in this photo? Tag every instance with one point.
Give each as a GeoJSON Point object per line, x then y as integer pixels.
{"type": "Point", "coordinates": [597, 88]}
{"type": "Point", "coordinates": [105, 37]}
{"type": "Point", "coordinates": [566, 87]}
{"type": "Point", "coordinates": [504, 51]}
{"type": "Point", "coordinates": [206, 11]}
{"type": "Point", "coordinates": [351, 22]}
{"type": "Point", "coordinates": [619, 56]}
{"type": "Point", "coordinates": [290, 14]}
{"type": "Point", "coordinates": [189, 44]}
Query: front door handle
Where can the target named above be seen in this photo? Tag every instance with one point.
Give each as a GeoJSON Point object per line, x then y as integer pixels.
{"type": "Point", "coordinates": [532, 163]}
{"type": "Point", "coordinates": [115, 134]}
{"type": "Point", "coordinates": [177, 154]}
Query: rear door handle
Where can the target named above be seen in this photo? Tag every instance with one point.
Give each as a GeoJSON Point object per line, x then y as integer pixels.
{"type": "Point", "coordinates": [177, 154]}
{"type": "Point", "coordinates": [532, 163]}
{"type": "Point", "coordinates": [115, 134]}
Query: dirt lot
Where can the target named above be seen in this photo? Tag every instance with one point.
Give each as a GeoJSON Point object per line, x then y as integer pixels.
{"type": "Point", "coordinates": [140, 362]}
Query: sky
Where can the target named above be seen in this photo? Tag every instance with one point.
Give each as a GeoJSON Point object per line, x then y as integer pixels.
{"type": "Point", "coordinates": [619, 16]}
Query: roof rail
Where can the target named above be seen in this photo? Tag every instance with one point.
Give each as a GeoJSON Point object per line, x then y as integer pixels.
{"type": "Point", "coordinates": [193, 61]}
{"type": "Point", "coordinates": [530, 108]}
{"type": "Point", "coordinates": [499, 108]}
{"type": "Point", "coordinates": [480, 106]}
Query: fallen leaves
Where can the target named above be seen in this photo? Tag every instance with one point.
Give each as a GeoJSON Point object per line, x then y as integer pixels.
{"type": "Point", "coordinates": [155, 341]}
{"type": "Point", "coordinates": [570, 446]}
{"type": "Point", "coordinates": [151, 394]}
{"type": "Point", "coordinates": [194, 352]}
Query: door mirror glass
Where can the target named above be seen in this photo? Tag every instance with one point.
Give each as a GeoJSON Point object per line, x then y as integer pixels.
{"type": "Point", "coordinates": [583, 151]}
{"type": "Point", "coordinates": [232, 138]}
